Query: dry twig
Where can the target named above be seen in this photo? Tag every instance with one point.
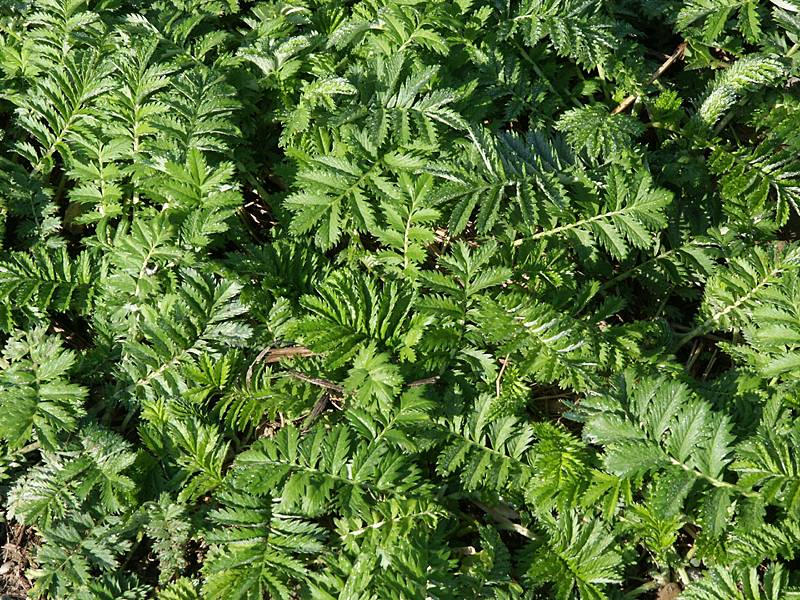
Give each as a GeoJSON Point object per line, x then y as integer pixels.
{"type": "Point", "coordinates": [272, 355]}
{"type": "Point", "coordinates": [671, 60]}
{"type": "Point", "coordinates": [498, 381]}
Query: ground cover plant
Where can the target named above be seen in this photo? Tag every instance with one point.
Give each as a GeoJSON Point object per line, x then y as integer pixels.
{"type": "Point", "coordinates": [399, 299]}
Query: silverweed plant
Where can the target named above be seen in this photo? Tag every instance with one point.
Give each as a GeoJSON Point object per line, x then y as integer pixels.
{"type": "Point", "coordinates": [400, 299]}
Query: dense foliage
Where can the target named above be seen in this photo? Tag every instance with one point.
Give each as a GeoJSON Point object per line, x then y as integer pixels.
{"type": "Point", "coordinates": [400, 299]}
